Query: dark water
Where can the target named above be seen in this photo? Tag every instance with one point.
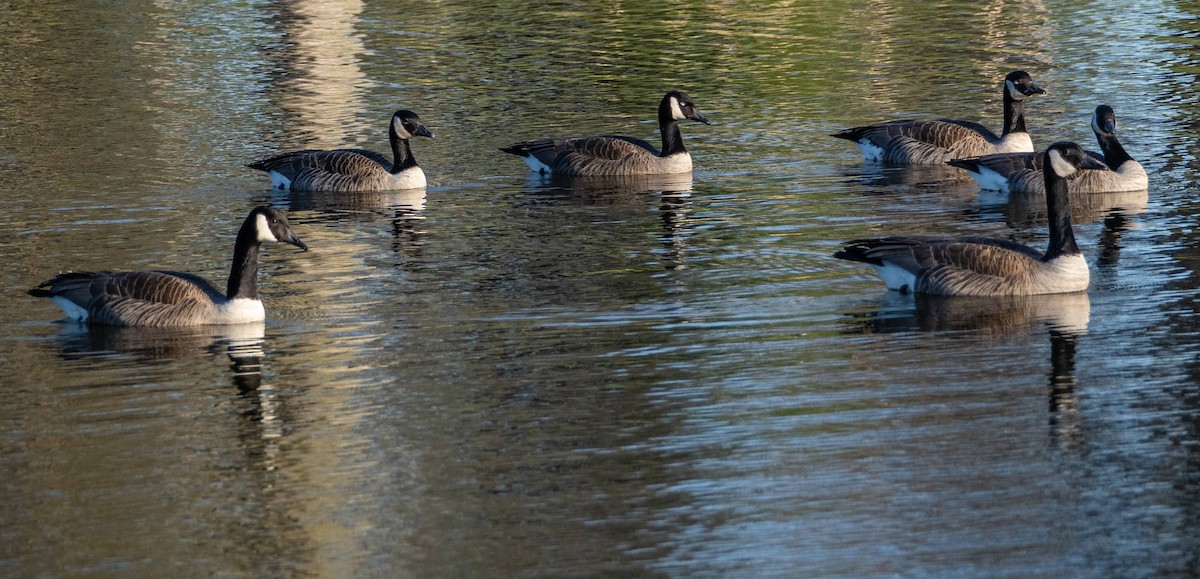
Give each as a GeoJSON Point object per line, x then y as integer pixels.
{"type": "Point", "coordinates": [672, 377]}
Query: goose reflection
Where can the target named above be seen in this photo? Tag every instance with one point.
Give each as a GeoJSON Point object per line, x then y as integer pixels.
{"type": "Point", "coordinates": [1022, 210]}
{"type": "Point", "coordinates": [922, 177]}
{"type": "Point", "coordinates": [404, 210]}
{"type": "Point", "coordinates": [1006, 315]}
{"type": "Point", "coordinates": [673, 192]}
{"type": "Point", "coordinates": [609, 190]}
{"type": "Point", "coordinates": [241, 342]}
{"type": "Point", "coordinates": [1065, 317]}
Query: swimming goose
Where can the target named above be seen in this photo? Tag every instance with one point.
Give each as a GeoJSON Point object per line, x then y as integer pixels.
{"type": "Point", "coordinates": [979, 266]}
{"type": "Point", "coordinates": [352, 169]}
{"type": "Point", "coordinates": [1022, 172]}
{"type": "Point", "coordinates": [170, 298]}
{"type": "Point", "coordinates": [613, 154]}
{"type": "Point", "coordinates": [936, 142]}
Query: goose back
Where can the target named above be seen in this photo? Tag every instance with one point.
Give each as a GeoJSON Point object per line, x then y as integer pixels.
{"type": "Point", "coordinates": [937, 142]}
{"type": "Point", "coordinates": [599, 156]}
{"type": "Point", "coordinates": [1022, 172]}
{"type": "Point", "coordinates": [146, 298]}
{"type": "Point", "coordinates": [163, 298]}
{"type": "Point", "coordinates": [616, 155]}
{"type": "Point", "coordinates": [352, 169]}
{"type": "Point", "coordinates": [980, 266]}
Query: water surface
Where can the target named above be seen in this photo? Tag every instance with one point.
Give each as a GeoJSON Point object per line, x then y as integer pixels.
{"type": "Point", "coordinates": [509, 376]}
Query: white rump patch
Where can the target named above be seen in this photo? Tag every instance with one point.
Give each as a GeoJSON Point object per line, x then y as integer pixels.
{"type": "Point", "coordinates": [240, 311]}
{"type": "Point", "coordinates": [279, 181]}
{"type": "Point", "coordinates": [989, 180]}
{"type": "Point", "coordinates": [1060, 165]}
{"type": "Point", "coordinates": [73, 311]}
{"type": "Point", "coordinates": [264, 229]}
{"type": "Point", "coordinates": [896, 277]}
{"type": "Point", "coordinates": [676, 112]}
{"type": "Point", "coordinates": [870, 151]}
{"type": "Point", "coordinates": [536, 166]}
{"type": "Point", "coordinates": [399, 126]}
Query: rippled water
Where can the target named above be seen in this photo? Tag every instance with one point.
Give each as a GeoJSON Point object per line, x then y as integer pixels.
{"type": "Point", "coordinates": [505, 376]}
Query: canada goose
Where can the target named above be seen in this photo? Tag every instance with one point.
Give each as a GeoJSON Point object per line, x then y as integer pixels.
{"type": "Point", "coordinates": [936, 142]}
{"type": "Point", "coordinates": [1022, 172]}
{"type": "Point", "coordinates": [352, 169]}
{"type": "Point", "coordinates": [979, 266]}
{"type": "Point", "coordinates": [617, 155]}
{"type": "Point", "coordinates": [170, 298]}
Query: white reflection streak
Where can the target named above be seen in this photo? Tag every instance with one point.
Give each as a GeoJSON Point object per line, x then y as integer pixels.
{"type": "Point", "coordinates": [329, 79]}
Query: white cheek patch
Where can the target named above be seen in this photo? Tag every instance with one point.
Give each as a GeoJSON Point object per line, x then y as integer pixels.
{"type": "Point", "coordinates": [1096, 124]}
{"type": "Point", "coordinates": [264, 229]}
{"type": "Point", "coordinates": [1060, 165]}
{"type": "Point", "coordinates": [1013, 92]}
{"type": "Point", "coordinates": [398, 125]}
{"type": "Point", "coordinates": [676, 112]}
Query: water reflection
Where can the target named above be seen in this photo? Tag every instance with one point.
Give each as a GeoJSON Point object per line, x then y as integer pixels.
{"type": "Point", "coordinates": [882, 178]}
{"type": "Point", "coordinates": [1065, 317]}
{"type": "Point", "coordinates": [1064, 403]}
{"type": "Point", "coordinates": [997, 316]}
{"type": "Point", "coordinates": [137, 345]}
{"type": "Point", "coordinates": [609, 190]}
{"type": "Point", "coordinates": [673, 193]}
{"type": "Point", "coordinates": [1025, 210]}
{"type": "Point", "coordinates": [317, 78]}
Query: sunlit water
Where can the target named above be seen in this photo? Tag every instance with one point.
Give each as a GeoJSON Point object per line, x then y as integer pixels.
{"type": "Point", "coordinates": [504, 376]}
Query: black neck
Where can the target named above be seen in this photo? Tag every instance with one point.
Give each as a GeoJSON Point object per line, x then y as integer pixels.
{"type": "Point", "coordinates": [401, 153]}
{"type": "Point", "coordinates": [1062, 237]}
{"type": "Point", "coordinates": [669, 127]}
{"type": "Point", "coordinates": [1114, 153]}
{"type": "Point", "coordinates": [1014, 114]}
{"type": "Point", "coordinates": [243, 274]}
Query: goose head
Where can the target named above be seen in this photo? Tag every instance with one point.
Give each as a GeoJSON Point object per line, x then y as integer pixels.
{"type": "Point", "coordinates": [1065, 158]}
{"type": "Point", "coordinates": [406, 125]}
{"type": "Point", "coordinates": [679, 106]}
{"type": "Point", "coordinates": [271, 225]}
{"type": "Point", "coordinates": [1020, 86]}
{"type": "Point", "coordinates": [1104, 122]}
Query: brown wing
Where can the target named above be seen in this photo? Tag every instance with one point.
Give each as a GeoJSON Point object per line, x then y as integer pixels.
{"type": "Point", "coordinates": [143, 298]}
{"type": "Point", "coordinates": [607, 155]}
{"type": "Point", "coordinates": [925, 142]}
{"type": "Point", "coordinates": [336, 170]}
{"type": "Point", "coordinates": [951, 266]}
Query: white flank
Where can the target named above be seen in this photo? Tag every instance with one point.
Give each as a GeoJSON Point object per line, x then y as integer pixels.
{"type": "Point", "coordinates": [676, 112]}
{"type": "Point", "coordinates": [73, 311]}
{"type": "Point", "coordinates": [240, 311]}
{"type": "Point", "coordinates": [280, 182]}
{"type": "Point", "coordinates": [410, 178]}
{"type": "Point", "coordinates": [896, 277]}
{"type": "Point", "coordinates": [1015, 143]}
{"type": "Point", "coordinates": [989, 180]}
{"type": "Point", "coordinates": [1064, 274]}
{"type": "Point", "coordinates": [1060, 165]}
{"type": "Point", "coordinates": [870, 151]}
{"type": "Point", "coordinates": [537, 166]}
